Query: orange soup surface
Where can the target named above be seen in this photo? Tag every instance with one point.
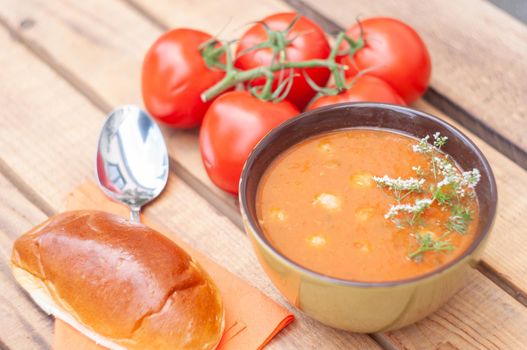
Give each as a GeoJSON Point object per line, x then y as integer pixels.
{"type": "Point", "coordinates": [319, 204]}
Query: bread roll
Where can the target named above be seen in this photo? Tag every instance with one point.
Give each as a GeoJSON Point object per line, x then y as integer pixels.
{"type": "Point", "coordinates": [123, 285]}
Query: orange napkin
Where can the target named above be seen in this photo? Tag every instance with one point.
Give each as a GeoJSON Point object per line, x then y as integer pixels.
{"type": "Point", "coordinates": [251, 318]}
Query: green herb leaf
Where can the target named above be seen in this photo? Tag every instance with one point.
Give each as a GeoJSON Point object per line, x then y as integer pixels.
{"type": "Point", "coordinates": [441, 196]}
{"type": "Point", "coordinates": [459, 219]}
{"type": "Point", "coordinates": [427, 243]}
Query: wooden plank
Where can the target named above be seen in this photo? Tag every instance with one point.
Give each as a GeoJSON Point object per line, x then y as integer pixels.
{"type": "Point", "coordinates": [478, 54]}
{"type": "Point", "coordinates": [23, 325]}
{"type": "Point", "coordinates": [229, 18]}
{"type": "Point", "coordinates": [474, 319]}
{"type": "Point", "coordinates": [53, 152]}
{"type": "Point", "coordinates": [172, 207]}
{"type": "Point", "coordinates": [504, 255]}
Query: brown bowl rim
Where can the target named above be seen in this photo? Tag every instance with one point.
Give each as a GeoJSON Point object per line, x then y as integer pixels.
{"type": "Point", "coordinates": [351, 283]}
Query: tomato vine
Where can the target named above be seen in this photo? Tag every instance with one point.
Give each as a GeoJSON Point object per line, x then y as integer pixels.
{"type": "Point", "coordinates": [219, 55]}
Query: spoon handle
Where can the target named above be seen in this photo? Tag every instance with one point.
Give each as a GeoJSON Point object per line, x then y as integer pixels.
{"type": "Point", "coordinates": [135, 213]}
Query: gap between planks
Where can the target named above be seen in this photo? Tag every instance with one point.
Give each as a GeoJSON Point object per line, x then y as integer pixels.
{"type": "Point", "coordinates": [432, 96]}
{"type": "Point", "coordinates": [3, 346]}
{"type": "Point", "coordinates": [157, 22]}
{"type": "Point", "coordinates": [501, 281]}
{"type": "Point", "coordinates": [27, 191]}
{"type": "Point", "coordinates": [229, 211]}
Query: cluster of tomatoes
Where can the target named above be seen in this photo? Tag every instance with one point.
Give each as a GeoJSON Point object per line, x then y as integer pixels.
{"type": "Point", "coordinates": [390, 64]}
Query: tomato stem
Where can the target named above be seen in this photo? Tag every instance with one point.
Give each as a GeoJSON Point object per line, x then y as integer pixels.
{"type": "Point", "coordinates": [237, 76]}
{"type": "Point", "coordinates": [277, 42]}
{"type": "Point", "coordinates": [336, 70]}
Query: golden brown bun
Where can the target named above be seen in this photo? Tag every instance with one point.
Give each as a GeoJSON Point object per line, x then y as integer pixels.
{"type": "Point", "coordinates": [122, 284]}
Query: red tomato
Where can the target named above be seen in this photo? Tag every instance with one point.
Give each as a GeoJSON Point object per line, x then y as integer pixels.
{"type": "Point", "coordinates": [233, 125]}
{"type": "Point", "coordinates": [365, 88]}
{"type": "Point", "coordinates": [308, 41]}
{"type": "Point", "coordinates": [174, 76]}
{"type": "Point", "coordinates": [395, 52]}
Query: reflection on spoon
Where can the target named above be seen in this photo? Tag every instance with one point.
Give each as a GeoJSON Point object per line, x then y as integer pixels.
{"type": "Point", "coordinates": [132, 158]}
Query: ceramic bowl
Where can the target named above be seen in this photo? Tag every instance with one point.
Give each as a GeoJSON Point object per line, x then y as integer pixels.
{"type": "Point", "coordinates": [357, 306]}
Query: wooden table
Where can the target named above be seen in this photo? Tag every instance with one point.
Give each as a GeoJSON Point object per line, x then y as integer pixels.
{"type": "Point", "coordinates": [65, 64]}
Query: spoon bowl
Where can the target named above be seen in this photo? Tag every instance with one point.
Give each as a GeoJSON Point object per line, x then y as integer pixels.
{"type": "Point", "coordinates": [132, 158]}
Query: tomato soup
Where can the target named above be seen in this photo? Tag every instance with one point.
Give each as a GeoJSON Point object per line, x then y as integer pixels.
{"type": "Point", "coordinates": [368, 205]}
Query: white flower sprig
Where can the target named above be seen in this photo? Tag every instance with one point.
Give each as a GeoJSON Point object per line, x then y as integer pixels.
{"type": "Point", "coordinates": [399, 184]}
{"type": "Point", "coordinates": [416, 209]}
{"type": "Point", "coordinates": [442, 166]}
{"type": "Point", "coordinates": [400, 187]}
{"type": "Point", "coordinates": [439, 141]}
{"type": "Point", "coordinates": [458, 181]}
{"type": "Point", "coordinates": [423, 146]}
{"type": "Point", "coordinates": [449, 172]}
{"type": "Point", "coordinates": [448, 189]}
{"type": "Point", "coordinates": [470, 178]}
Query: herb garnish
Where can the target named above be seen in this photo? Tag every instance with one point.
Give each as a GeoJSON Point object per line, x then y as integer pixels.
{"type": "Point", "coordinates": [401, 188]}
{"type": "Point", "coordinates": [459, 219]}
{"type": "Point", "coordinates": [416, 209]}
{"type": "Point", "coordinates": [451, 189]}
{"type": "Point", "coordinates": [428, 243]}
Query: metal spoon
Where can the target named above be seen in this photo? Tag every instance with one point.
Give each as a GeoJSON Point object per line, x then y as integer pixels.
{"type": "Point", "coordinates": [132, 158]}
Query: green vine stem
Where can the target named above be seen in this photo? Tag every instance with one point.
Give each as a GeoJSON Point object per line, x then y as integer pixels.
{"type": "Point", "coordinates": [212, 55]}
